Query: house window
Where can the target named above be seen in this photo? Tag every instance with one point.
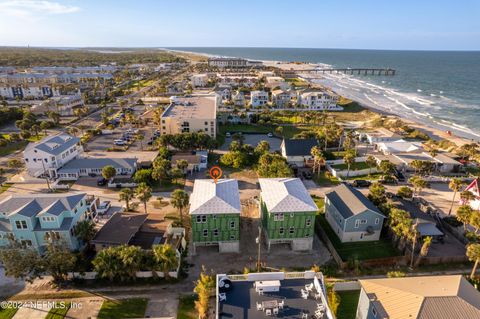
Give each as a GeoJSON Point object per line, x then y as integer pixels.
{"type": "Point", "coordinates": [215, 232]}
{"type": "Point", "coordinates": [232, 224]}
{"type": "Point", "coordinates": [278, 217]}
{"type": "Point", "coordinates": [204, 218]}
{"type": "Point", "coordinates": [377, 221]}
{"type": "Point", "coordinates": [199, 219]}
{"type": "Point", "coordinates": [281, 231]}
{"type": "Point", "coordinates": [291, 230]}
{"type": "Point", "coordinates": [205, 233]}
{"type": "Point", "coordinates": [26, 243]}
{"type": "Point", "coordinates": [307, 234]}
{"type": "Point", "coordinates": [232, 237]}
{"type": "Point", "coordinates": [292, 215]}
{"type": "Point", "coordinates": [374, 312]}
{"type": "Point", "coordinates": [357, 223]}
{"type": "Point", "coordinates": [21, 224]}
{"type": "Point", "coordinates": [48, 219]}
{"type": "Point", "coordinates": [363, 221]}
{"type": "Point", "coordinates": [308, 223]}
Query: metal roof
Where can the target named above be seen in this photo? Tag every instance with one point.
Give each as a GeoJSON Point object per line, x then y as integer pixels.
{"type": "Point", "coordinates": [54, 144]}
{"type": "Point", "coordinates": [100, 162]}
{"type": "Point", "coordinates": [349, 201]}
{"type": "Point", "coordinates": [40, 204]}
{"type": "Point", "coordinates": [209, 197]}
{"type": "Point", "coordinates": [286, 195]}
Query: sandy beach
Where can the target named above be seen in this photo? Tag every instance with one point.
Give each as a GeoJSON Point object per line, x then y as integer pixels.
{"type": "Point", "coordinates": [436, 132]}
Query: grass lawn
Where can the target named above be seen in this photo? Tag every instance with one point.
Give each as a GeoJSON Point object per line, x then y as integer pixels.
{"type": "Point", "coordinates": [358, 250]}
{"type": "Point", "coordinates": [354, 167]}
{"type": "Point", "coordinates": [186, 307]}
{"type": "Point", "coordinates": [58, 313]}
{"type": "Point", "coordinates": [370, 177]}
{"type": "Point", "coordinates": [12, 147]}
{"type": "Point", "coordinates": [297, 82]}
{"type": "Point", "coordinates": [320, 202]}
{"type": "Point", "coordinates": [5, 187]}
{"type": "Point", "coordinates": [168, 186]}
{"type": "Point", "coordinates": [323, 180]}
{"type": "Point", "coordinates": [7, 313]}
{"type": "Point", "coordinates": [125, 308]}
{"type": "Point", "coordinates": [348, 304]}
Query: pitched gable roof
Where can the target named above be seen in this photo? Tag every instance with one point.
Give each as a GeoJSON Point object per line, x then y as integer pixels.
{"type": "Point", "coordinates": [349, 201]}
{"type": "Point", "coordinates": [428, 297]}
{"type": "Point", "coordinates": [30, 206]}
{"type": "Point", "coordinates": [299, 147]}
{"type": "Point", "coordinates": [211, 198]}
{"type": "Point", "coordinates": [282, 195]}
{"type": "Point", "coordinates": [54, 144]}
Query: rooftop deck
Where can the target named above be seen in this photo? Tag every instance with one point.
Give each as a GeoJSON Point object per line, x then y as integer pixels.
{"type": "Point", "coordinates": [241, 300]}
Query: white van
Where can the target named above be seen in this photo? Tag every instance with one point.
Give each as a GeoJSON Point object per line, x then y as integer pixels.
{"type": "Point", "coordinates": [119, 142]}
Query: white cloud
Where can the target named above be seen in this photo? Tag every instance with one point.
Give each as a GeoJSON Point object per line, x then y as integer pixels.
{"type": "Point", "coordinates": [34, 8]}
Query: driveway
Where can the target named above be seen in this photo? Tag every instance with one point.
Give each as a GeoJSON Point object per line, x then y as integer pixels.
{"type": "Point", "coordinates": [254, 139]}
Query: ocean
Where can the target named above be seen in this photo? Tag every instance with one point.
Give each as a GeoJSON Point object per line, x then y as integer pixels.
{"type": "Point", "coordinates": [438, 88]}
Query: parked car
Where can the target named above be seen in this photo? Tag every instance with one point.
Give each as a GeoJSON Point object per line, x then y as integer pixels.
{"type": "Point", "coordinates": [388, 180]}
{"type": "Point", "coordinates": [104, 207]}
{"type": "Point", "coordinates": [119, 142]}
{"type": "Point", "coordinates": [270, 135]}
{"type": "Point", "coordinates": [361, 183]}
{"type": "Point", "coordinates": [92, 174]}
{"type": "Point", "coordinates": [102, 181]}
{"type": "Point", "coordinates": [307, 175]}
{"type": "Point", "coordinates": [228, 134]}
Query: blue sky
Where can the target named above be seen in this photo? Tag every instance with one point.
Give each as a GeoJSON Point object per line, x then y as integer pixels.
{"type": "Point", "coordinates": [362, 24]}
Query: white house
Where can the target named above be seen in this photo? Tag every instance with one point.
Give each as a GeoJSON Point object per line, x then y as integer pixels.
{"type": "Point", "coordinates": [258, 98]}
{"type": "Point", "coordinates": [400, 146]}
{"type": "Point", "coordinates": [239, 99]}
{"type": "Point", "coordinates": [63, 104]}
{"type": "Point", "coordinates": [282, 98]}
{"type": "Point", "coordinates": [225, 92]}
{"type": "Point", "coordinates": [318, 100]}
{"type": "Point", "coordinates": [199, 80]}
{"type": "Point", "coordinates": [50, 154]}
{"type": "Point", "coordinates": [93, 166]}
{"type": "Point", "coordinates": [380, 135]}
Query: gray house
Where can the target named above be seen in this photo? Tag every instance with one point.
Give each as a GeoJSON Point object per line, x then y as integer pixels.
{"type": "Point", "coordinates": [351, 215]}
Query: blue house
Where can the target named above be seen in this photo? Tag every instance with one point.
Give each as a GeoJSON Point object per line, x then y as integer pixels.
{"type": "Point", "coordinates": [34, 220]}
{"type": "Point", "coordinates": [351, 215]}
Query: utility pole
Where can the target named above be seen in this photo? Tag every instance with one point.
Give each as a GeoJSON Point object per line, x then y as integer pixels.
{"type": "Point", "coordinates": [46, 176]}
{"type": "Point", "coordinates": [259, 242]}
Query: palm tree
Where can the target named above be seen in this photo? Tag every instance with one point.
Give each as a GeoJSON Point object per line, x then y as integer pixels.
{"type": "Point", "coordinates": [108, 172]}
{"type": "Point", "coordinates": [473, 254]}
{"type": "Point", "coordinates": [180, 200]}
{"type": "Point", "coordinates": [371, 162]}
{"type": "Point", "coordinates": [318, 158]}
{"type": "Point", "coordinates": [349, 159]}
{"type": "Point", "coordinates": [165, 257]}
{"type": "Point", "coordinates": [182, 164]}
{"type": "Point", "coordinates": [427, 241]}
{"type": "Point", "coordinates": [455, 185]}
{"type": "Point", "coordinates": [464, 214]}
{"type": "Point", "coordinates": [467, 196]}
{"type": "Point", "coordinates": [143, 193]}
{"type": "Point", "coordinates": [85, 231]}
{"type": "Point", "coordinates": [106, 263]}
{"type": "Point", "coordinates": [126, 195]}
{"type": "Point", "coordinates": [418, 184]}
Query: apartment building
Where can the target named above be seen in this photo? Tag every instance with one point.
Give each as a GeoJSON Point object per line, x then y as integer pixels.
{"type": "Point", "coordinates": [196, 113]}
{"type": "Point", "coordinates": [318, 100]}
{"type": "Point", "coordinates": [51, 153]}
{"type": "Point", "coordinates": [224, 62]}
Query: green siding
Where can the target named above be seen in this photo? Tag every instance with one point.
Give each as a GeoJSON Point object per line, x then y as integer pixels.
{"type": "Point", "coordinates": [298, 220]}
{"type": "Point", "coordinates": [216, 221]}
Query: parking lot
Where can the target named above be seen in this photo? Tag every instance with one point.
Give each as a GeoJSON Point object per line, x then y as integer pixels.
{"type": "Point", "coordinates": [254, 139]}
{"type": "Point", "coordinates": [106, 141]}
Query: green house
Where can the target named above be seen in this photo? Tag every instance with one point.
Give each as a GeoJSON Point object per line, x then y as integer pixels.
{"type": "Point", "coordinates": [287, 212]}
{"type": "Point", "coordinates": [215, 214]}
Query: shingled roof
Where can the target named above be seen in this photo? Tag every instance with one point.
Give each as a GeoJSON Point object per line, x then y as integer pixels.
{"type": "Point", "coordinates": [428, 297]}
{"type": "Point", "coordinates": [299, 147]}
{"type": "Point", "coordinates": [349, 201]}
